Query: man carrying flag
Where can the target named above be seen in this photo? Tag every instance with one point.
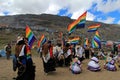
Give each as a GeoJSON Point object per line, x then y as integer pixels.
{"type": "Point", "coordinates": [26, 68]}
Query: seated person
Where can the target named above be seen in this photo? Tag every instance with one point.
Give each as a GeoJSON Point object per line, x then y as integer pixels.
{"type": "Point", "coordinates": [75, 67]}
{"type": "Point", "coordinates": [110, 64]}
{"type": "Point", "coordinates": [93, 64]}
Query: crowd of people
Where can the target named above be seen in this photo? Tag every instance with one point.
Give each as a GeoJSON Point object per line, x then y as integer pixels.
{"type": "Point", "coordinates": [52, 56]}
{"type": "Point", "coordinates": [72, 56]}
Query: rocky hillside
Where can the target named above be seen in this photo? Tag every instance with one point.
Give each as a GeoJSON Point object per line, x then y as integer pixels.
{"type": "Point", "coordinates": [46, 23]}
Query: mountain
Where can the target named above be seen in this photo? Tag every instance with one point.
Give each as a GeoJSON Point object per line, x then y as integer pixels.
{"type": "Point", "coordinates": [47, 24]}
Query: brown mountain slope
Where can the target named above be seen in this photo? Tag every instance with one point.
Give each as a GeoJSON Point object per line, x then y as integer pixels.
{"type": "Point", "coordinates": [45, 23]}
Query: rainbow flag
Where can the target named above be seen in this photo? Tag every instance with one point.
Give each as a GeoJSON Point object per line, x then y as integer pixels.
{"type": "Point", "coordinates": [41, 41]}
{"type": "Point", "coordinates": [28, 52]}
{"type": "Point", "coordinates": [92, 30]}
{"type": "Point", "coordinates": [74, 40]}
{"type": "Point", "coordinates": [79, 23]}
{"type": "Point", "coordinates": [96, 43]}
{"type": "Point", "coordinates": [94, 26]}
{"type": "Point", "coordinates": [30, 36]}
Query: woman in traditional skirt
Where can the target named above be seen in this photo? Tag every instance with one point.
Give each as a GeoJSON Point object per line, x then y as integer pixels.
{"type": "Point", "coordinates": [76, 66]}
{"type": "Point", "coordinates": [58, 52]}
{"type": "Point", "coordinates": [21, 59]}
{"type": "Point", "coordinates": [26, 71]}
{"type": "Point", "coordinates": [67, 54]}
{"type": "Point", "coordinates": [48, 57]}
{"type": "Point", "coordinates": [110, 64]}
{"type": "Point", "coordinates": [93, 64]}
{"type": "Point", "coordinates": [79, 53]}
{"type": "Point", "coordinates": [30, 70]}
{"type": "Point", "coordinates": [87, 52]}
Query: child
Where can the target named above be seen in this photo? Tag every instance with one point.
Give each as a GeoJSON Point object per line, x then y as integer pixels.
{"type": "Point", "coordinates": [93, 64]}
{"type": "Point", "coordinates": [110, 64]}
{"type": "Point", "coordinates": [76, 66]}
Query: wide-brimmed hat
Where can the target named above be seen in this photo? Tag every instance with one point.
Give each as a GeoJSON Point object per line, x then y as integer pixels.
{"type": "Point", "coordinates": [95, 59]}
{"type": "Point", "coordinates": [20, 40]}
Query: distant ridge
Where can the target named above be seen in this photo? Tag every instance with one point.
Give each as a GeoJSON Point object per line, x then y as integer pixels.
{"type": "Point", "coordinates": [58, 23]}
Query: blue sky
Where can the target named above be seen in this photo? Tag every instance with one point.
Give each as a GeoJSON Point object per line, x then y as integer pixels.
{"type": "Point", "coordinates": [107, 11]}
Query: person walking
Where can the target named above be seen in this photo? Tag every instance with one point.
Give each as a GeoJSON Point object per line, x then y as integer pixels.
{"type": "Point", "coordinates": [87, 52]}
{"type": "Point", "coordinates": [48, 57]}
{"type": "Point", "coordinates": [8, 51]}
{"type": "Point", "coordinates": [26, 70]}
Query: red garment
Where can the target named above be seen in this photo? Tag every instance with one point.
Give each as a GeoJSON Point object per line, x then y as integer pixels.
{"type": "Point", "coordinates": [51, 52]}
{"type": "Point", "coordinates": [27, 50]}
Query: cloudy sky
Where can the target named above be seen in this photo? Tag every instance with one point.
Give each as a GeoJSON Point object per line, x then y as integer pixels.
{"type": "Point", "coordinates": [107, 11]}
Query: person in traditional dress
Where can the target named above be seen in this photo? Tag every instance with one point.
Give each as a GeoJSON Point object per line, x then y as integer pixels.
{"type": "Point", "coordinates": [67, 54]}
{"type": "Point", "coordinates": [75, 66]}
{"type": "Point", "coordinates": [48, 57]}
{"type": "Point", "coordinates": [30, 66]}
{"type": "Point", "coordinates": [74, 50]}
{"type": "Point", "coordinates": [110, 64]}
{"type": "Point", "coordinates": [58, 52]}
{"type": "Point", "coordinates": [93, 65]}
{"type": "Point", "coordinates": [21, 59]}
{"type": "Point", "coordinates": [79, 53]}
{"type": "Point", "coordinates": [26, 70]}
{"type": "Point", "coordinates": [8, 50]}
{"type": "Point", "coordinates": [87, 52]}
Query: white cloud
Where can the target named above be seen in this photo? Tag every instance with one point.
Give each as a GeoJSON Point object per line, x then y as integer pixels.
{"type": "Point", "coordinates": [119, 22]}
{"type": "Point", "coordinates": [75, 7]}
{"type": "Point", "coordinates": [46, 6]}
{"type": "Point", "coordinates": [30, 6]}
{"type": "Point", "coordinates": [5, 6]}
{"type": "Point", "coordinates": [1, 14]}
{"type": "Point", "coordinates": [108, 6]}
{"type": "Point", "coordinates": [90, 16]}
{"type": "Point", "coordinates": [52, 9]}
{"type": "Point", "coordinates": [109, 20]}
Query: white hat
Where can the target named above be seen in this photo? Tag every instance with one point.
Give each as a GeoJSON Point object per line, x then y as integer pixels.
{"type": "Point", "coordinates": [95, 59]}
{"type": "Point", "coordinates": [19, 38]}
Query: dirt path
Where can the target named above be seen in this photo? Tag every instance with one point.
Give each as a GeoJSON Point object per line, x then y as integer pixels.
{"type": "Point", "coordinates": [6, 72]}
